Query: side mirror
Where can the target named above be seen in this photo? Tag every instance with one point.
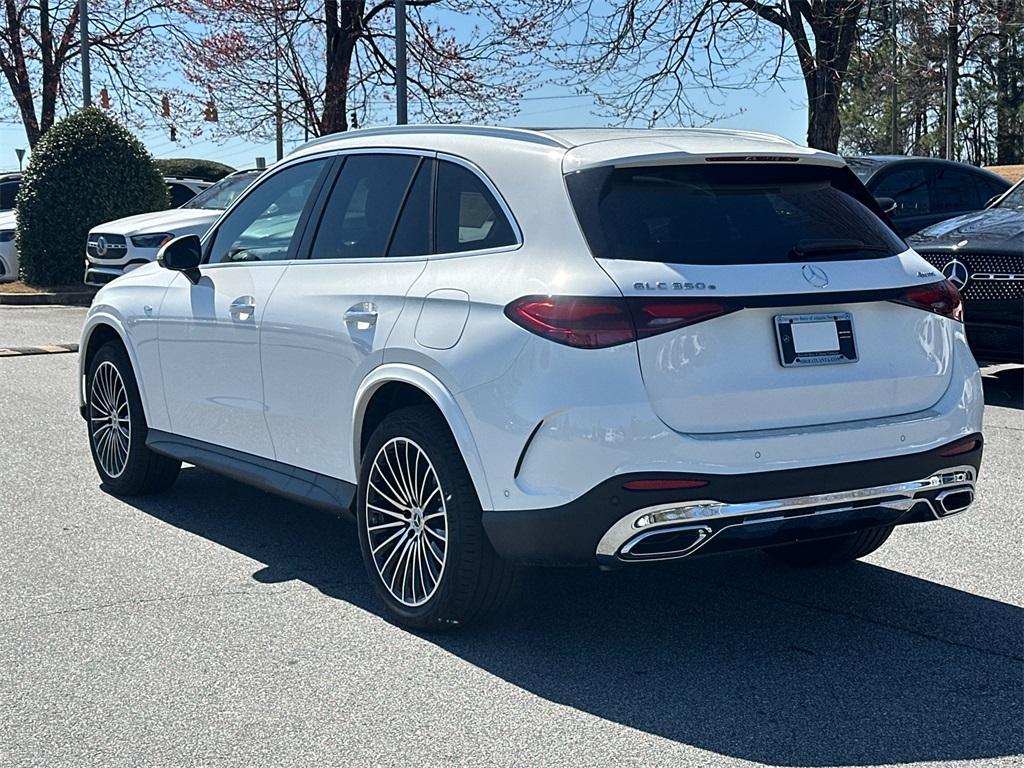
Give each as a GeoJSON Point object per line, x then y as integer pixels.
{"type": "Point", "coordinates": [992, 200]}
{"type": "Point", "coordinates": [887, 204]}
{"type": "Point", "coordinates": [182, 254]}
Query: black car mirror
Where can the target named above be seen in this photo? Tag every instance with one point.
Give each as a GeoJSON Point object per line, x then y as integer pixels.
{"type": "Point", "coordinates": [182, 254]}
{"type": "Point", "coordinates": [887, 204]}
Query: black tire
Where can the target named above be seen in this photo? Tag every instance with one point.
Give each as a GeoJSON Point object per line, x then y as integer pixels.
{"type": "Point", "coordinates": [838, 549]}
{"type": "Point", "coordinates": [143, 470]}
{"type": "Point", "coordinates": [472, 581]}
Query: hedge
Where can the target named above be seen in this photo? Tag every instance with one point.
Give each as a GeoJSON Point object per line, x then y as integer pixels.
{"type": "Point", "coordinates": [189, 168]}
{"type": "Point", "coordinates": [86, 170]}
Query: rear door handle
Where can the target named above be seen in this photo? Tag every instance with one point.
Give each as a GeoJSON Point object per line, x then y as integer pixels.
{"type": "Point", "coordinates": [362, 313]}
{"type": "Point", "coordinates": [242, 308]}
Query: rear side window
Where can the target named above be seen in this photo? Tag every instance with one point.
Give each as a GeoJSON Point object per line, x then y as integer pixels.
{"type": "Point", "coordinates": [467, 217]}
{"type": "Point", "coordinates": [363, 206]}
{"type": "Point", "coordinates": [954, 191]}
{"type": "Point", "coordinates": [728, 214]}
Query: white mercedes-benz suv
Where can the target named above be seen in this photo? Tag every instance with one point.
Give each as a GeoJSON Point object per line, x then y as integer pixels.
{"type": "Point", "coordinates": [498, 346]}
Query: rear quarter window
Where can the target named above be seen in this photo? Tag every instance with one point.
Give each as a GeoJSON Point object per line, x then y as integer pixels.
{"type": "Point", "coordinates": [735, 214]}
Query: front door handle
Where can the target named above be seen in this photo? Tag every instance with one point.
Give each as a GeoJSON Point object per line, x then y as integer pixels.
{"type": "Point", "coordinates": [242, 308]}
{"type": "Point", "coordinates": [362, 314]}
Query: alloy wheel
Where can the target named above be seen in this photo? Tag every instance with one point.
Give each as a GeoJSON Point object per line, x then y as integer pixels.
{"type": "Point", "coordinates": [110, 419]}
{"type": "Point", "coordinates": [406, 522]}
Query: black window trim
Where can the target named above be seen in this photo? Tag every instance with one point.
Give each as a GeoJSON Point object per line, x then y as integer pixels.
{"type": "Point", "coordinates": [313, 203]}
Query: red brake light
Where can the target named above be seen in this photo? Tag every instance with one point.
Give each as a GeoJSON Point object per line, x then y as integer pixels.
{"type": "Point", "coordinates": [576, 321]}
{"type": "Point", "coordinates": [940, 297]}
{"type": "Point", "coordinates": [594, 322]}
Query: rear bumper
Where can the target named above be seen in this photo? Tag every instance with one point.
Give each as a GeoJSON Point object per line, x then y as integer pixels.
{"type": "Point", "coordinates": [612, 525]}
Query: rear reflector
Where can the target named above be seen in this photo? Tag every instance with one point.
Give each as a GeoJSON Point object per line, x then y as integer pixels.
{"type": "Point", "coordinates": [662, 485]}
{"type": "Point", "coordinates": [964, 446]}
{"type": "Point", "coordinates": [595, 322]}
{"type": "Point", "coordinates": [940, 297]}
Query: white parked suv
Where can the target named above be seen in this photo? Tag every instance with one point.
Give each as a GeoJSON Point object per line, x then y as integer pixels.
{"type": "Point", "coordinates": [119, 246]}
{"type": "Point", "coordinates": [8, 247]}
{"type": "Point", "coordinates": [499, 346]}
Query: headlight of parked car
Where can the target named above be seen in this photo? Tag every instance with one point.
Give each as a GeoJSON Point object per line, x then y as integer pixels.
{"type": "Point", "coordinates": [151, 241]}
{"type": "Point", "coordinates": [6, 235]}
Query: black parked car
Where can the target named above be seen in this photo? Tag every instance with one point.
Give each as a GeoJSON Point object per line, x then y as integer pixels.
{"type": "Point", "coordinates": [927, 190]}
{"type": "Point", "coordinates": [983, 255]}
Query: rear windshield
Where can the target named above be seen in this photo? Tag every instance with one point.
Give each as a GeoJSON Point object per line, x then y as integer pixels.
{"type": "Point", "coordinates": [728, 214]}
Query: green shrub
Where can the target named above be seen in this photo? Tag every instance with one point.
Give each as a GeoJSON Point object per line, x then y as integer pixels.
{"type": "Point", "coordinates": [188, 168]}
{"type": "Point", "coordinates": [86, 170]}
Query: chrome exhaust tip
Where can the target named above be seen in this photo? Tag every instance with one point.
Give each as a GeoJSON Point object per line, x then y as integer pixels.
{"type": "Point", "coordinates": [953, 501]}
{"type": "Point", "coordinates": [666, 543]}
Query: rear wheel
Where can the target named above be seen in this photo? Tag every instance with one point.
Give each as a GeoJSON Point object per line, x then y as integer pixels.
{"type": "Point", "coordinates": [117, 428]}
{"type": "Point", "coordinates": [420, 530]}
{"type": "Point", "coordinates": [838, 549]}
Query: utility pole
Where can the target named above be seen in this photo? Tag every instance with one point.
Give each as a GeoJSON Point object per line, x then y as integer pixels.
{"type": "Point", "coordinates": [401, 95]}
{"type": "Point", "coordinates": [83, 25]}
{"type": "Point", "coordinates": [952, 52]}
{"type": "Point", "coordinates": [895, 81]}
{"type": "Point", "coordinates": [278, 115]}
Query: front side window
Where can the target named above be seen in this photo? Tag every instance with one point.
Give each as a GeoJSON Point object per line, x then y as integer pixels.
{"type": "Point", "coordinates": [262, 226]}
{"type": "Point", "coordinates": [467, 217]}
{"type": "Point", "coordinates": [909, 188]}
{"type": "Point", "coordinates": [728, 214]}
{"type": "Point", "coordinates": [362, 208]}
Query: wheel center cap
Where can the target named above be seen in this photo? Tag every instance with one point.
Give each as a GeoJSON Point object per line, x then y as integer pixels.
{"type": "Point", "coordinates": [417, 520]}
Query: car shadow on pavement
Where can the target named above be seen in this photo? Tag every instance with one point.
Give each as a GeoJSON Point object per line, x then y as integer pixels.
{"type": "Point", "coordinates": [1005, 387]}
{"type": "Point", "coordinates": [736, 655]}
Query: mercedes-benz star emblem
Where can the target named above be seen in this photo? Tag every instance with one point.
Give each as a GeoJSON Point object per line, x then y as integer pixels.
{"type": "Point", "coordinates": [956, 272]}
{"type": "Point", "coordinates": [101, 246]}
{"type": "Point", "coordinates": [815, 275]}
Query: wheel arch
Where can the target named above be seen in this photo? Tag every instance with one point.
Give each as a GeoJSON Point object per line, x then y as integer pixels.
{"type": "Point", "coordinates": [99, 330]}
{"type": "Point", "coordinates": [395, 385]}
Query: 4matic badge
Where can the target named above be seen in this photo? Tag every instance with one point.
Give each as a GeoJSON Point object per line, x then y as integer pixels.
{"type": "Point", "coordinates": [663, 286]}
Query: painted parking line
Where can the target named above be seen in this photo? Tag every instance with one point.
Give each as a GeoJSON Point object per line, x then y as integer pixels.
{"type": "Point", "coordinates": [45, 349]}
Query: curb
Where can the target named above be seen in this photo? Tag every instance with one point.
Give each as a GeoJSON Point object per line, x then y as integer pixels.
{"type": "Point", "coordinates": [77, 299]}
{"type": "Point", "coordinates": [47, 349]}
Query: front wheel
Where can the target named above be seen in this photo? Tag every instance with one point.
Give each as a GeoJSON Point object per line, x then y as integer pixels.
{"type": "Point", "coordinates": [420, 530]}
{"type": "Point", "coordinates": [837, 549]}
{"type": "Point", "coordinates": [117, 428]}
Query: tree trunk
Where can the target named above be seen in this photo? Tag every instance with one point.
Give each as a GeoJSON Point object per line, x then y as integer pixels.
{"type": "Point", "coordinates": [834, 26]}
{"type": "Point", "coordinates": [1009, 87]}
{"type": "Point", "coordinates": [344, 27]}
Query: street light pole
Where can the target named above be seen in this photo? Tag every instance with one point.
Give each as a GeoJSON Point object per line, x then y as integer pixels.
{"type": "Point", "coordinates": [895, 80]}
{"type": "Point", "coordinates": [401, 95]}
{"type": "Point", "coordinates": [83, 25]}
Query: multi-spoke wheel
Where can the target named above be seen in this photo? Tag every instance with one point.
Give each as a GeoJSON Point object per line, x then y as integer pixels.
{"type": "Point", "coordinates": [117, 427]}
{"type": "Point", "coordinates": [406, 521]}
{"type": "Point", "coordinates": [422, 541]}
{"type": "Point", "coordinates": [109, 419]}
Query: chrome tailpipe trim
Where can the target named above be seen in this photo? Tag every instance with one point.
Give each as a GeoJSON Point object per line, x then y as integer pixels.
{"type": "Point", "coordinates": [672, 531]}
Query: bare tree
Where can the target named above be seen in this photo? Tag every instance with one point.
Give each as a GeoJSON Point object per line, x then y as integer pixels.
{"type": "Point", "coordinates": [333, 62]}
{"type": "Point", "coordinates": [40, 52]}
{"type": "Point", "coordinates": [654, 54]}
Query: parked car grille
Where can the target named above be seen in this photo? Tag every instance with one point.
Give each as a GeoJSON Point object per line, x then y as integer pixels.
{"type": "Point", "coordinates": [112, 246]}
{"type": "Point", "coordinates": [992, 276]}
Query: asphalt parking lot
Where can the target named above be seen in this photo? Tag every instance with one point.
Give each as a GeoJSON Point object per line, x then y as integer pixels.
{"type": "Point", "coordinates": [220, 626]}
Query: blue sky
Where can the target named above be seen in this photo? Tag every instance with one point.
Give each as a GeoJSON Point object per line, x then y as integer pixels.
{"type": "Point", "coordinates": [780, 109]}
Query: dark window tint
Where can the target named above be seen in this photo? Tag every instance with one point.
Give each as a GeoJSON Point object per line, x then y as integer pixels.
{"type": "Point", "coordinates": [954, 191]}
{"type": "Point", "coordinates": [988, 188]}
{"type": "Point", "coordinates": [363, 205]}
{"type": "Point", "coordinates": [180, 194]}
{"type": "Point", "coordinates": [736, 214]}
{"type": "Point", "coordinates": [412, 233]}
{"type": "Point", "coordinates": [908, 187]}
{"type": "Point", "coordinates": [8, 192]}
{"type": "Point", "coordinates": [467, 216]}
{"type": "Point", "coordinates": [262, 226]}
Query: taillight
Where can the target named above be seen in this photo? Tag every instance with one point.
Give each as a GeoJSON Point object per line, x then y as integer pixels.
{"type": "Point", "coordinates": [963, 446]}
{"type": "Point", "coordinates": [594, 322]}
{"type": "Point", "coordinates": [941, 297]}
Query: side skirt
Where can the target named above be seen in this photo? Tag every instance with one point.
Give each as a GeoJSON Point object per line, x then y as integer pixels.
{"type": "Point", "coordinates": [293, 483]}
